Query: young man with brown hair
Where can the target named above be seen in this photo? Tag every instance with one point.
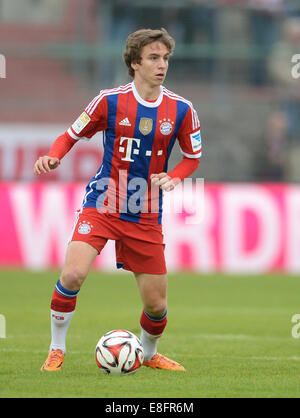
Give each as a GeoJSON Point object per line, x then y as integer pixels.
{"type": "Point", "coordinates": [123, 202]}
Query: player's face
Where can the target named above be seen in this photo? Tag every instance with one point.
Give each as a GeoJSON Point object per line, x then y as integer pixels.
{"type": "Point", "coordinates": [154, 64]}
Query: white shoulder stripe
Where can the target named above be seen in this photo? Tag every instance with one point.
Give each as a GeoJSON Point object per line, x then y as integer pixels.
{"type": "Point", "coordinates": [93, 104]}
{"type": "Point", "coordinates": [103, 92]}
{"type": "Point", "coordinates": [171, 95]}
{"type": "Point", "coordinates": [176, 96]}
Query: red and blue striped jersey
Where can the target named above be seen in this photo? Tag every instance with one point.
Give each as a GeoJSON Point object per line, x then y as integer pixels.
{"type": "Point", "coordinates": [138, 137]}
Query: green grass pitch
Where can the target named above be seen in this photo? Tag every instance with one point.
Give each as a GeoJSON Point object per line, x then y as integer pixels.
{"type": "Point", "coordinates": [232, 333]}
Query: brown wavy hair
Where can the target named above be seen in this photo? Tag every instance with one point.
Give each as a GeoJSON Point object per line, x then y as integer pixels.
{"type": "Point", "coordinates": [142, 37]}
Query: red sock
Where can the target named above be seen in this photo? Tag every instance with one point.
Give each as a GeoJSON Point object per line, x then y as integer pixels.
{"type": "Point", "coordinates": [63, 300]}
{"type": "Point", "coordinates": [62, 303]}
{"type": "Point", "coordinates": [153, 325]}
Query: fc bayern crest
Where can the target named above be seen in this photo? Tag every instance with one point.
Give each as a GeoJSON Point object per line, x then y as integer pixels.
{"type": "Point", "coordinates": [84, 228]}
{"type": "Point", "coordinates": [166, 127]}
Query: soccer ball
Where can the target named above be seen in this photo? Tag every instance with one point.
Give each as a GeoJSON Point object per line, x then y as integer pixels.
{"type": "Point", "coordinates": [119, 352]}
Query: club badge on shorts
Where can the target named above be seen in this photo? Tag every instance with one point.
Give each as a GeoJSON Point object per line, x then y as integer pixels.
{"type": "Point", "coordinates": [84, 228]}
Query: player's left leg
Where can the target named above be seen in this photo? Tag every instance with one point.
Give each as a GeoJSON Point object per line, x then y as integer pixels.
{"type": "Point", "coordinates": [153, 291]}
{"type": "Point", "coordinates": [141, 250]}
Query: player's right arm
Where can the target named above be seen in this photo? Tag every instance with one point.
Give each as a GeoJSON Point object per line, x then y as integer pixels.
{"type": "Point", "coordinates": [45, 164]}
{"type": "Point", "coordinates": [59, 149]}
{"type": "Point", "coordinates": [92, 120]}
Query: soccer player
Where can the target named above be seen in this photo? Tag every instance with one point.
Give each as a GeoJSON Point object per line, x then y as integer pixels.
{"type": "Point", "coordinates": [140, 122]}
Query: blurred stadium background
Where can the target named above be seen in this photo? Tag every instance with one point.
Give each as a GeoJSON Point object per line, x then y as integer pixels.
{"type": "Point", "coordinates": [233, 60]}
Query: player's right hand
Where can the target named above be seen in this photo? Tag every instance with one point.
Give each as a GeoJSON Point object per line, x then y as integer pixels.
{"type": "Point", "coordinates": [45, 164]}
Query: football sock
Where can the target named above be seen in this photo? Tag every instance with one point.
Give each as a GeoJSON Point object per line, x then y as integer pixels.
{"type": "Point", "coordinates": [63, 305]}
{"type": "Point", "coordinates": [152, 329]}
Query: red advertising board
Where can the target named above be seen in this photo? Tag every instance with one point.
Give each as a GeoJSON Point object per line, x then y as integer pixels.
{"type": "Point", "coordinates": [22, 144]}
{"type": "Point", "coordinates": [231, 228]}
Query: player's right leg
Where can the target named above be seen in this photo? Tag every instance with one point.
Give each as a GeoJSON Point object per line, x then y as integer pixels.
{"type": "Point", "coordinates": [79, 259]}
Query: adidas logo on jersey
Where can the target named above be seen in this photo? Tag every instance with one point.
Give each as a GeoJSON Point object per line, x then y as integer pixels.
{"type": "Point", "coordinates": [125, 122]}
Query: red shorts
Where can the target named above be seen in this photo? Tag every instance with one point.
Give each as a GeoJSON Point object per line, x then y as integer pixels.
{"type": "Point", "coordinates": [139, 248]}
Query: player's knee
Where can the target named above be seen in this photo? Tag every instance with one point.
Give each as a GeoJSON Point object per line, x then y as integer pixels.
{"type": "Point", "coordinates": [72, 279]}
{"type": "Point", "coordinates": [156, 308]}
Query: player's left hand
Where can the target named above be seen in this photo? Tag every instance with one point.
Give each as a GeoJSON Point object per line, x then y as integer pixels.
{"type": "Point", "coordinates": [163, 181]}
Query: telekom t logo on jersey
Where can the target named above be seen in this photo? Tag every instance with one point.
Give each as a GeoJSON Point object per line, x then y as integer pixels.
{"type": "Point", "coordinates": [126, 146]}
{"type": "Point", "coordinates": [129, 142]}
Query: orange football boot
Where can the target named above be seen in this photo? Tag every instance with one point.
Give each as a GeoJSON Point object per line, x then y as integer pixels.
{"type": "Point", "coordinates": [54, 361]}
{"type": "Point", "coordinates": [158, 361]}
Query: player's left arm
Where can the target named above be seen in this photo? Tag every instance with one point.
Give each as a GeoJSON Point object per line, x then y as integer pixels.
{"type": "Point", "coordinates": [168, 181]}
{"type": "Point", "coordinates": [189, 138]}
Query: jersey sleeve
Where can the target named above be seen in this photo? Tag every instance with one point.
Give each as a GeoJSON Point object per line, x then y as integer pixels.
{"type": "Point", "coordinates": [92, 120]}
{"type": "Point", "coordinates": [61, 146]}
{"type": "Point", "coordinates": [184, 169]}
{"type": "Point", "coordinates": [189, 135]}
